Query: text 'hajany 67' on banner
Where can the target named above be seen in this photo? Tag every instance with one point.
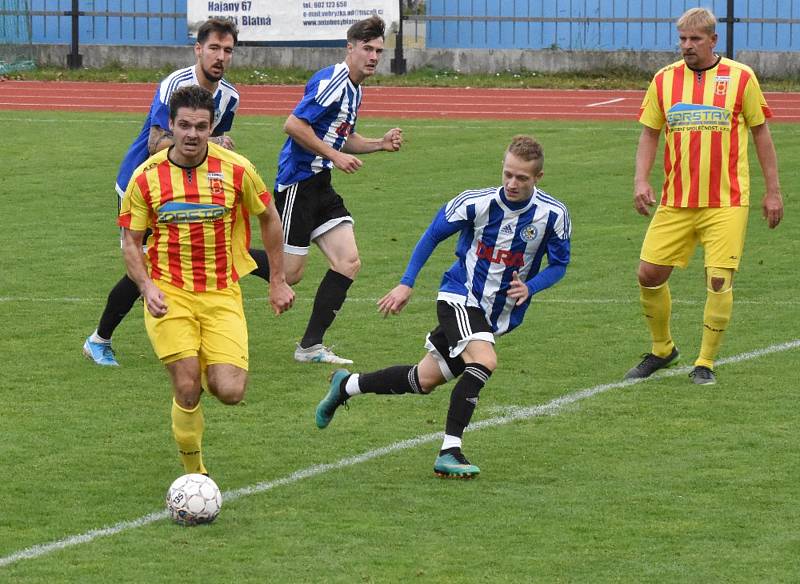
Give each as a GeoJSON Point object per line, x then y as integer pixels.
{"type": "Point", "coordinates": [292, 20]}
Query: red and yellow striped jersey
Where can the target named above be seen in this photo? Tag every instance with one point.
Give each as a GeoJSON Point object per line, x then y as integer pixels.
{"type": "Point", "coordinates": [707, 115]}
{"type": "Point", "coordinates": [199, 217]}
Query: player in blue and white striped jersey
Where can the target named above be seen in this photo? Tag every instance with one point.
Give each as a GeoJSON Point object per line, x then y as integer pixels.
{"type": "Point", "coordinates": [322, 136]}
{"type": "Point", "coordinates": [213, 50]}
{"type": "Point", "coordinates": [505, 233]}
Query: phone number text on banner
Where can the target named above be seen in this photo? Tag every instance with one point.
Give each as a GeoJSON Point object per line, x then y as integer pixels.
{"type": "Point", "coordinates": [300, 20]}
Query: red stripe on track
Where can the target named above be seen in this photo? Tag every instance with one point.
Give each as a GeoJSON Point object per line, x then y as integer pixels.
{"type": "Point", "coordinates": [391, 102]}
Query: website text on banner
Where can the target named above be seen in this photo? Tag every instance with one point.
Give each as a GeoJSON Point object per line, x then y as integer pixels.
{"type": "Point", "coordinates": [302, 20]}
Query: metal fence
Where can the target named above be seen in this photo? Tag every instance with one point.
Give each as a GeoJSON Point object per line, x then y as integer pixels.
{"type": "Point", "coordinates": [605, 25]}
{"type": "Point", "coordinates": [100, 22]}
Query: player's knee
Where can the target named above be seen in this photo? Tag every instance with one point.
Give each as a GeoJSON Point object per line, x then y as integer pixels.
{"type": "Point", "coordinates": [348, 266]}
{"type": "Point", "coordinates": [430, 381]}
{"type": "Point", "coordinates": [719, 279]}
{"type": "Point", "coordinates": [294, 275]}
{"type": "Point", "coordinates": [229, 389]}
{"type": "Point", "coordinates": [187, 397]}
{"type": "Point", "coordinates": [489, 361]}
{"type": "Point", "coordinates": [651, 276]}
{"type": "Point", "coordinates": [229, 394]}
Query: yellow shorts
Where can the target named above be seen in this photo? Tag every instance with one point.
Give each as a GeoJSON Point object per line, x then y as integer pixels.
{"type": "Point", "coordinates": [209, 325]}
{"type": "Point", "coordinates": [675, 232]}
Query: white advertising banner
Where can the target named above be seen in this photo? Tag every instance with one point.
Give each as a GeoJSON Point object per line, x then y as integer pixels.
{"type": "Point", "coordinates": [292, 20]}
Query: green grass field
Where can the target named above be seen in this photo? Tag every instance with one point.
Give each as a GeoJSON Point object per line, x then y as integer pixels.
{"type": "Point", "coordinates": [660, 481]}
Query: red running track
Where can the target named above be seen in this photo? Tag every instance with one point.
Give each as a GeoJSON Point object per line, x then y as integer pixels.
{"type": "Point", "coordinates": [390, 102]}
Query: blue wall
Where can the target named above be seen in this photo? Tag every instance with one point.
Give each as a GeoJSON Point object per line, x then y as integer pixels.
{"type": "Point", "coordinates": [476, 34]}
{"type": "Point", "coordinates": [487, 34]}
{"type": "Point", "coordinates": [100, 30]}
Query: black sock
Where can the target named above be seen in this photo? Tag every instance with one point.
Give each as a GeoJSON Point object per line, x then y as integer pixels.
{"type": "Point", "coordinates": [464, 398]}
{"type": "Point", "coordinates": [262, 271]}
{"type": "Point", "coordinates": [329, 299]}
{"type": "Point", "coordinates": [119, 303]}
{"type": "Point", "coordinates": [391, 381]}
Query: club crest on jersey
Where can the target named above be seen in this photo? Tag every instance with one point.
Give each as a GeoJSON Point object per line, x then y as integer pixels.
{"type": "Point", "coordinates": [500, 256]}
{"type": "Point", "coordinates": [529, 233]}
{"type": "Point", "coordinates": [721, 84]}
{"type": "Point", "coordinates": [215, 183]}
{"type": "Point", "coordinates": [174, 212]}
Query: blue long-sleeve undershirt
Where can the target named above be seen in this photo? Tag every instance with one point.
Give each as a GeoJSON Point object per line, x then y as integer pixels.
{"type": "Point", "coordinates": [440, 229]}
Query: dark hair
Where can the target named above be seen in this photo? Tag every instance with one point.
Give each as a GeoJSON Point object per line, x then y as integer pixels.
{"type": "Point", "coordinates": [193, 97]}
{"type": "Point", "coordinates": [366, 30]}
{"type": "Point", "coordinates": [528, 149]}
{"type": "Point", "coordinates": [221, 26]}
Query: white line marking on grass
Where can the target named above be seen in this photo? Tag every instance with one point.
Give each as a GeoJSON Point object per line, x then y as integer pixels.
{"type": "Point", "coordinates": [261, 299]}
{"type": "Point", "coordinates": [510, 415]}
{"type": "Point", "coordinates": [610, 101]}
{"type": "Point", "coordinates": [407, 123]}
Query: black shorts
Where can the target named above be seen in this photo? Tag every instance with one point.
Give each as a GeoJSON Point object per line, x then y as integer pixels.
{"type": "Point", "coordinates": [458, 324]}
{"type": "Point", "coordinates": [308, 209]}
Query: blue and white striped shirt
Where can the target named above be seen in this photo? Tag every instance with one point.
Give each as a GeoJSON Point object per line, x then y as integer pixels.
{"type": "Point", "coordinates": [330, 106]}
{"type": "Point", "coordinates": [497, 238]}
{"type": "Point", "coordinates": [226, 99]}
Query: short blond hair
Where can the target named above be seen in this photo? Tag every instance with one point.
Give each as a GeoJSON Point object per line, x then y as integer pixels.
{"type": "Point", "coordinates": [698, 19]}
{"type": "Point", "coordinates": [528, 149]}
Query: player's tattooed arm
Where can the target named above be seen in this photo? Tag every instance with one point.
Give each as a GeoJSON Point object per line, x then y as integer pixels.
{"type": "Point", "coordinates": [224, 141]}
{"type": "Point", "coordinates": [159, 139]}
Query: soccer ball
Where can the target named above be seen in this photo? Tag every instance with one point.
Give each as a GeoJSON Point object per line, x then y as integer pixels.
{"type": "Point", "coordinates": [193, 499]}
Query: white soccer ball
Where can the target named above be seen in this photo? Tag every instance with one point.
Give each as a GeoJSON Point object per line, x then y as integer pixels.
{"type": "Point", "coordinates": [193, 499]}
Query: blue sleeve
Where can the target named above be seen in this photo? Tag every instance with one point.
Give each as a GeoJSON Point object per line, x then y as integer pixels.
{"type": "Point", "coordinates": [439, 230]}
{"type": "Point", "coordinates": [225, 124]}
{"type": "Point", "coordinates": [159, 112]}
{"type": "Point", "coordinates": [309, 109]}
{"type": "Point", "coordinates": [558, 253]}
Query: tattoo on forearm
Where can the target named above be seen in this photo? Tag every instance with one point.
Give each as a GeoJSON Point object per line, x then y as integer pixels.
{"type": "Point", "coordinates": [156, 139]}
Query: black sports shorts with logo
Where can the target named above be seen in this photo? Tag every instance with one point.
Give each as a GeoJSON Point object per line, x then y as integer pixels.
{"type": "Point", "coordinates": [308, 209]}
{"type": "Point", "coordinates": [457, 325]}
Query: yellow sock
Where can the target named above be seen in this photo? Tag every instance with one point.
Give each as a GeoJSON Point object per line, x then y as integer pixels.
{"type": "Point", "coordinates": [187, 429]}
{"type": "Point", "coordinates": [716, 316]}
{"type": "Point", "coordinates": [657, 308]}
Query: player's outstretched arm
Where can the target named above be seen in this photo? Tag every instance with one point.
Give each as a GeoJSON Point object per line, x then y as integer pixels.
{"type": "Point", "coordinates": [392, 141]}
{"type": "Point", "coordinates": [643, 196]}
{"type": "Point", "coordinates": [137, 271]}
{"type": "Point", "coordinates": [395, 300]}
{"type": "Point", "coordinates": [302, 133]}
{"type": "Point", "coordinates": [772, 203]}
{"type": "Point", "coordinates": [281, 295]}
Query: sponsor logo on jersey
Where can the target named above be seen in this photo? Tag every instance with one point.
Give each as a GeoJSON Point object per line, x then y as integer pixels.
{"type": "Point", "coordinates": [529, 233]}
{"type": "Point", "coordinates": [500, 256]}
{"type": "Point", "coordinates": [507, 229]}
{"type": "Point", "coordinates": [689, 117]}
{"type": "Point", "coordinates": [173, 212]}
{"type": "Point", "coordinates": [344, 129]}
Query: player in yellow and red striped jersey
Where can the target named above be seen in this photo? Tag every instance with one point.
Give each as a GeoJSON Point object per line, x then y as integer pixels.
{"type": "Point", "coordinates": [197, 198]}
{"type": "Point", "coordinates": [706, 106]}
